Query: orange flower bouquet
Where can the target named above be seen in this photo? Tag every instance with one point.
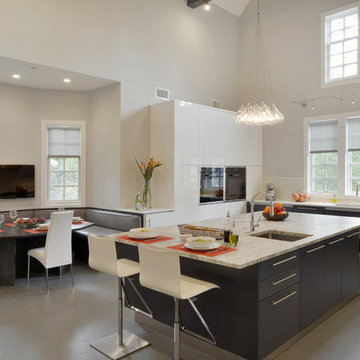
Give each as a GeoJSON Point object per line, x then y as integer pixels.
{"type": "Point", "coordinates": [147, 172]}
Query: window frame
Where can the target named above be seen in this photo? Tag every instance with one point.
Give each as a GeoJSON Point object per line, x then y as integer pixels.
{"type": "Point", "coordinates": [45, 202]}
{"type": "Point", "coordinates": [343, 161]}
{"type": "Point", "coordinates": [325, 83]}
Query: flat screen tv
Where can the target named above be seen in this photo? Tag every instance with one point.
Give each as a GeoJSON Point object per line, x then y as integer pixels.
{"type": "Point", "coordinates": [17, 181]}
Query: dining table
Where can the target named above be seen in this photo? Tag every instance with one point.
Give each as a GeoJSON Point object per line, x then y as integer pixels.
{"type": "Point", "coordinates": [14, 243]}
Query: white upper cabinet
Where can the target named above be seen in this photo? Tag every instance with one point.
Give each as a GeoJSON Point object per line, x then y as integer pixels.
{"type": "Point", "coordinates": [224, 142]}
{"type": "Point", "coordinates": [186, 134]}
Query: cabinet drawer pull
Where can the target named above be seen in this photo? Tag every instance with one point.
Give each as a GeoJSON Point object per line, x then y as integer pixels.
{"type": "Point", "coordinates": [336, 241]}
{"type": "Point", "coordinates": [284, 261]}
{"type": "Point", "coordinates": [357, 233]}
{"type": "Point", "coordinates": [284, 298]}
{"type": "Point", "coordinates": [318, 248]}
{"type": "Point", "coordinates": [284, 279]}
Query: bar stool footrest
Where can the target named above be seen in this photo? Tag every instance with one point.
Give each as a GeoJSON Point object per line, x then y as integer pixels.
{"type": "Point", "coordinates": [109, 346]}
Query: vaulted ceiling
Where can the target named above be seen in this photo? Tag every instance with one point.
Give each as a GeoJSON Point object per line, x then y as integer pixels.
{"type": "Point", "coordinates": [236, 7]}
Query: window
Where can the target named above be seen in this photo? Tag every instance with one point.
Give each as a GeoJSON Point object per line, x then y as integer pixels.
{"type": "Point", "coordinates": [323, 156]}
{"type": "Point", "coordinates": [353, 154]}
{"type": "Point", "coordinates": [63, 160]}
{"type": "Point", "coordinates": [332, 154]}
{"type": "Point", "coordinates": [341, 46]}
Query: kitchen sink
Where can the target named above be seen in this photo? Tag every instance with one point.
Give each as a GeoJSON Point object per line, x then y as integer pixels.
{"type": "Point", "coordinates": [280, 235]}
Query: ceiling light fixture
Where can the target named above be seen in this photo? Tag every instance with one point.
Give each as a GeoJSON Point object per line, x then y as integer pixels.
{"type": "Point", "coordinates": [67, 80]}
{"type": "Point", "coordinates": [196, 3]}
{"type": "Point", "coordinates": [262, 111]}
{"type": "Point", "coordinates": [16, 76]}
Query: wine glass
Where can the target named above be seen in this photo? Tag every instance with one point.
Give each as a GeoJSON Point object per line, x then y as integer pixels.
{"type": "Point", "coordinates": [2, 219]}
{"type": "Point", "coordinates": [13, 214]}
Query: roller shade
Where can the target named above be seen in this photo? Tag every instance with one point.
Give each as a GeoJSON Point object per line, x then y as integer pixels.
{"type": "Point", "coordinates": [64, 141]}
{"type": "Point", "coordinates": [324, 137]}
{"type": "Point", "coordinates": [353, 134]}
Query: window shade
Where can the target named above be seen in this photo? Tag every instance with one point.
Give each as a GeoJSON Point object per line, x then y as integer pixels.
{"type": "Point", "coordinates": [64, 141]}
{"type": "Point", "coordinates": [353, 134]}
{"type": "Point", "coordinates": [324, 137]}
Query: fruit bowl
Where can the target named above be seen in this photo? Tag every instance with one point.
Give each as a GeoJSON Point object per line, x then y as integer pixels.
{"type": "Point", "coordinates": [276, 217]}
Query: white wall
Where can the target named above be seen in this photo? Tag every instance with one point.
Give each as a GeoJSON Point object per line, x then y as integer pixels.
{"type": "Point", "coordinates": [142, 43]}
{"type": "Point", "coordinates": [22, 110]}
{"type": "Point", "coordinates": [292, 32]}
{"type": "Point", "coordinates": [103, 148]}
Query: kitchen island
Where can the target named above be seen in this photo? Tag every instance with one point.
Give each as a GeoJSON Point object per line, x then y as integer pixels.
{"type": "Point", "coordinates": [271, 290]}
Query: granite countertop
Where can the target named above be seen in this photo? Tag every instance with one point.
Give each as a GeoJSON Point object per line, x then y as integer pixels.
{"type": "Point", "coordinates": [252, 250]}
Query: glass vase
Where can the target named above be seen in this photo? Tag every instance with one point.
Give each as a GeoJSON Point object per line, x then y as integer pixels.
{"type": "Point", "coordinates": [146, 195]}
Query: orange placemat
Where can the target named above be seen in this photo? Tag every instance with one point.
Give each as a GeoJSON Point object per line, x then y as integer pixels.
{"type": "Point", "coordinates": [150, 241]}
{"type": "Point", "coordinates": [211, 253]}
{"type": "Point", "coordinates": [31, 231]}
{"type": "Point", "coordinates": [10, 224]}
{"type": "Point", "coordinates": [78, 223]}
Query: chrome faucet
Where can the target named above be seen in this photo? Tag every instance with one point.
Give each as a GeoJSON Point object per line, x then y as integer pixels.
{"type": "Point", "coordinates": [253, 225]}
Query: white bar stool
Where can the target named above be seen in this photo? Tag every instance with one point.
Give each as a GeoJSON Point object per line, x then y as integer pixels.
{"type": "Point", "coordinates": [160, 271]}
{"type": "Point", "coordinates": [102, 257]}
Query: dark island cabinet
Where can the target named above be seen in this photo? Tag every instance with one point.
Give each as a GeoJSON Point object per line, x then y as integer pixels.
{"type": "Point", "coordinates": [350, 264]}
{"type": "Point", "coordinates": [333, 272]}
{"type": "Point", "coordinates": [329, 274]}
{"type": "Point", "coordinates": [279, 319]}
{"type": "Point", "coordinates": [312, 280]}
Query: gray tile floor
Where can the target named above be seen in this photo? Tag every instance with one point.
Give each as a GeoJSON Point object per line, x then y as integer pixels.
{"type": "Point", "coordinates": [60, 326]}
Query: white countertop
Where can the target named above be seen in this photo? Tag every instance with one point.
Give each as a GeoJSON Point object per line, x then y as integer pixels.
{"type": "Point", "coordinates": [339, 205]}
{"type": "Point", "coordinates": [252, 250]}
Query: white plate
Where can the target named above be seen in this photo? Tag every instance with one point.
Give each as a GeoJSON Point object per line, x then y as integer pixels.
{"type": "Point", "coordinates": [142, 236]}
{"type": "Point", "coordinates": [210, 246]}
{"type": "Point", "coordinates": [142, 233]}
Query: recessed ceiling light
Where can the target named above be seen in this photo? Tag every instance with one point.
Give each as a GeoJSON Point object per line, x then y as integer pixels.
{"type": "Point", "coordinates": [16, 76]}
{"type": "Point", "coordinates": [207, 6]}
{"type": "Point", "coordinates": [67, 80]}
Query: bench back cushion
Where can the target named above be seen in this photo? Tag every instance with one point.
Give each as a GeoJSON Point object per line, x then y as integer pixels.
{"type": "Point", "coordinates": [113, 220]}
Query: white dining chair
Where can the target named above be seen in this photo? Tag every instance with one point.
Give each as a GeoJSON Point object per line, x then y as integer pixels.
{"type": "Point", "coordinates": [160, 271]}
{"type": "Point", "coordinates": [57, 250]}
{"type": "Point", "coordinates": [102, 257]}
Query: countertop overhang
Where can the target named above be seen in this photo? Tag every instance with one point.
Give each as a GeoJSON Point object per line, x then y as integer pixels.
{"type": "Point", "coordinates": [252, 250]}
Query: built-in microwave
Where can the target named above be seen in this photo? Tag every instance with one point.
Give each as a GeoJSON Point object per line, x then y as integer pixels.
{"type": "Point", "coordinates": [220, 183]}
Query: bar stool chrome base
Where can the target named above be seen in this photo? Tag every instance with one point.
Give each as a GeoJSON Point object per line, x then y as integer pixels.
{"type": "Point", "coordinates": [109, 346]}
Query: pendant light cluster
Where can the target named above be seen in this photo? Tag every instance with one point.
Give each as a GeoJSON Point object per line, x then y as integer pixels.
{"type": "Point", "coordinates": [263, 111]}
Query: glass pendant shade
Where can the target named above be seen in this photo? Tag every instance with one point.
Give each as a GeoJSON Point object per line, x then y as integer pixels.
{"type": "Point", "coordinates": [261, 111]}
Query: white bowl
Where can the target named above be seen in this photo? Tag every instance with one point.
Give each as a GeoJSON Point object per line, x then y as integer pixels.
{"type": "Point", "coordinates": [201, 242]}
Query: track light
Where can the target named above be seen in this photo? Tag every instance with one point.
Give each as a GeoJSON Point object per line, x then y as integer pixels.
{"type": "Point", "coordinates": [196, 3]}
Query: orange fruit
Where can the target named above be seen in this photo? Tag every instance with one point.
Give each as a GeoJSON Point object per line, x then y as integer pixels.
{"type": "Point", "coordinates": [279, 205]}
{"type": "Point", "coordinates": [267, 210]}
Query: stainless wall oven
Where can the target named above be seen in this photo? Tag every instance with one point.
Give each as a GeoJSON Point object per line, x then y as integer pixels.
{"type": "Point", "coordinates": [235, 183]}
{"type": "Point", "coordinates": [220, 183]}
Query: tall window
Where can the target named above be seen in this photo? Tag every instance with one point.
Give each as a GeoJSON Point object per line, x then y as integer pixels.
{"type": "Point", "coordinates": [353, 154]}
{"type": "Point", "coordinates": [323, 156]}
{"type": "Point", "coordinates": [63, 163]}
{"type": "Point", "coordinates": [341, 45]}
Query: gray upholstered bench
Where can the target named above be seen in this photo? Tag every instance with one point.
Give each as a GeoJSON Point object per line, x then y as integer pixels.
{"type": "Point", "coordinates": [106, 222]}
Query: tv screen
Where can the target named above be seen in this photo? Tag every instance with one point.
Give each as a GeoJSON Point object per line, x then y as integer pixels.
{"type": "Point", "coordinates": [17, 181]}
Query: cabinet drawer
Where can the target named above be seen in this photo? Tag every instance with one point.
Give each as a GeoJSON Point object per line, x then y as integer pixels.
{"type": "Point", "coordinates": [278, 282]}
{"type": "Point", "coordinates": [309, 209]}
{"type": "Point", "coordinates": [277, 265]}
{"type": "Point", "coordinates": [279, 319]}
